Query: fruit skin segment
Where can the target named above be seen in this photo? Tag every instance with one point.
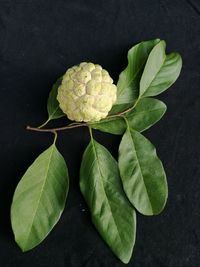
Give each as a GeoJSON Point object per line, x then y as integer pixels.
{"type": "Point", "coordinates": [87, 93]}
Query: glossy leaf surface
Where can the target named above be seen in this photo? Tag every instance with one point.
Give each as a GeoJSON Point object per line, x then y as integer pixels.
{"type": "Point", "coordinates": [142, 173]}
{"type": "Point", "coordinates": [111, 211]}
{"type": "Point", "coordinates": [128, 83]}
{"type": "Point", "coordinates": [39, 198]}
{"type": "Point", "coordinates": [146, 113]}
{"type": "Point", "coordinates": [53, 108]}
{"type": "Point", "coordinates": [160, 71]}
{"type": "Point", "coordinates": [113, 125]}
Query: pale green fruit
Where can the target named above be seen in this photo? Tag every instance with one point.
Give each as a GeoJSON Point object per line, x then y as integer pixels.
{"type": "Point", "coordinates": [87, 93]}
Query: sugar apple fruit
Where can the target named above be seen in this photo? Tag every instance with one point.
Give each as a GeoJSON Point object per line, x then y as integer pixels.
{"type": "Point", "coordinates": [87, 93]}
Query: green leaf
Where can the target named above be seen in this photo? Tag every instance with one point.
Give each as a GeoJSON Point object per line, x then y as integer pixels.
{"type": "Point", "coordinates": [146, 113]}
{"type": "Point", "coordinates": [128, 83]}
{"type": "Point", "coordinates": [120, 107]}
{"type": "Point", "coordinates": [111, 212]}
{"type": "Point", "coordinates": [110, 125]}
{"type": "Point", "coordinates": [53, 108]}
{"type": "Point", "coordinates": [160, 71]}
{"type": "Point", "coordinates": [142, 173]}
{"type": "Point", "coordinates": [39, 199]}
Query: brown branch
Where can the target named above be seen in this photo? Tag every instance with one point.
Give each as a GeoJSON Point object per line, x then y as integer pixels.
{"type": "Point", "coordinates": [77, 125]}
{"type": "Point", "coordinates": [53, 130]}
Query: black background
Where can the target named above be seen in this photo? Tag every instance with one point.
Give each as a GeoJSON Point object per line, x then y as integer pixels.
{"type": "Point", "coordinates": [39, 40]}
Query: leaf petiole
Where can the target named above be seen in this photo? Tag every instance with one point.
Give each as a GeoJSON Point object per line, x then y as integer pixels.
{"type": "Point", "coordinates": [90, 131]}
{"type": "Point", "coordinates": [44, 124]}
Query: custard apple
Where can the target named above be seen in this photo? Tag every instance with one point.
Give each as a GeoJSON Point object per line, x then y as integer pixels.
{"type": "Point", "coordinates": [87, 93]}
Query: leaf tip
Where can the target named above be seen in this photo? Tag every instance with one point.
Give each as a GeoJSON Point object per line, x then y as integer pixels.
{"type": "Point", "coordinates": [125, 258]}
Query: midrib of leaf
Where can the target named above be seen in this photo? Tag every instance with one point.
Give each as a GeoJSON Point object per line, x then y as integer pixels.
{"type": "Point", "coordinates": [133, 77]}
{"type": "Point", "coordinates": [44, 183]}
{"type": "Point", "coordinates": [128, 127]}
{"type": "Point", "coordinates": [97, 159]}
{"type": "Point", "coordinates": [144, 111]}
{"type": "Point", "coordinates": [154, 77]}
{"type": "Point", "coordinates": [51, 116]}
